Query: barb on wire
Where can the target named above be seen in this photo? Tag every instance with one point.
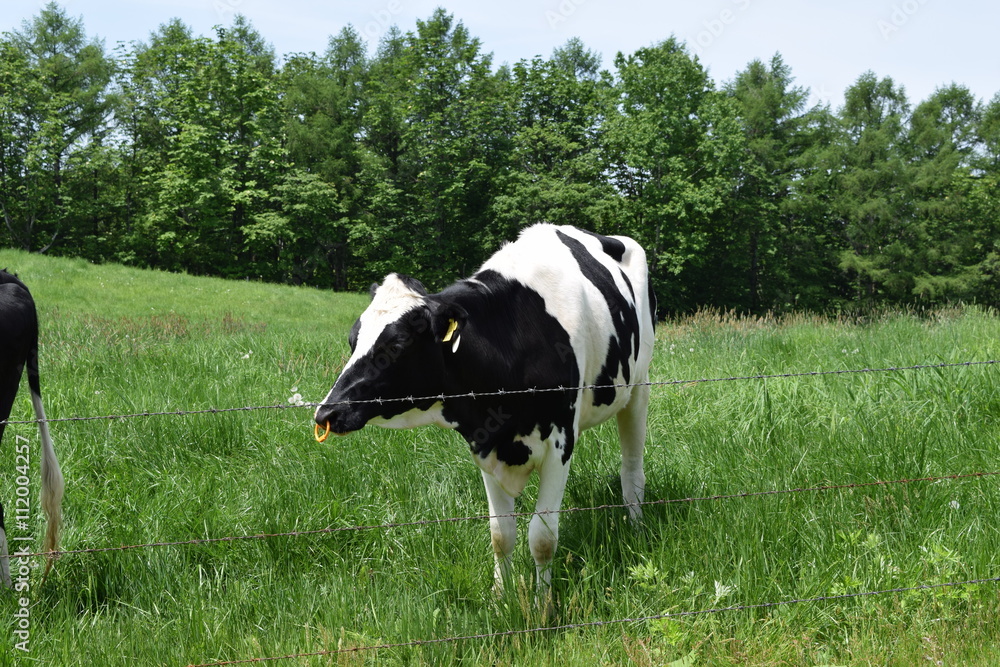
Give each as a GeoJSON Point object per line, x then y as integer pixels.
{"type": "Point", "coordinates": [514, 392]}
{"type": "Point", "coordinates": [594, 624]}
{"type": "Point", "coordinates": [484, 517]}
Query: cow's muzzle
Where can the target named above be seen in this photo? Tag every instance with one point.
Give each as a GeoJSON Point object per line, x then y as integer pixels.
{"type": "Point", "coordinates": [337, 419]}
{"type": "Point", "coordinates": [326, 431]}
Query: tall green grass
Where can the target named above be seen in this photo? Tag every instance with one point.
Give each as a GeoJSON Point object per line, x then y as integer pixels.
{"type": "Point", "coordinates": [119, 341]}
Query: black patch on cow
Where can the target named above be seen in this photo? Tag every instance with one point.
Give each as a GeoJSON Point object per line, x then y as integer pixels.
{"type": "Point", "coordinates": [652, 300]}
{"type": "Point", "coordinates": [613, 248]}
{"type": "Point", "coordinates": [412, 284]}
{"type": "Point", "coordinates": [352, 337]}
{"type": "Point", "coordinates": [624, 343]}
{"type": "Point", "coordinates": [628, 284]}
{"type": "Point", "coordinates": [510, 343]}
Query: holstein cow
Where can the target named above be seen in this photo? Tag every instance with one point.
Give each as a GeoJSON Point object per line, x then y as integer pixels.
{"type": "Point", "coordinates": [18, 347]}
{"type": "Point", "coordinates": [558, 308]}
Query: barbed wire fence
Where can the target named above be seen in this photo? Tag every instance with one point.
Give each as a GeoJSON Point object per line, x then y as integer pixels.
{"type": "Point", "coordinates": [501, 392]}
{"type": "Point", "coordinates": [483, 517]}
{"type": "Point", "coordinates": [516, 515]}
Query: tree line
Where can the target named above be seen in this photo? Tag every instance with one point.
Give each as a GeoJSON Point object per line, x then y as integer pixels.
{"type": "Point", "coordinates": [212, 156]}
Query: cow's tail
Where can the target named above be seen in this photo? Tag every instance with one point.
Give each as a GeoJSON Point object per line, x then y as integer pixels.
{"type": "Point", "coordinates": [52, 478]}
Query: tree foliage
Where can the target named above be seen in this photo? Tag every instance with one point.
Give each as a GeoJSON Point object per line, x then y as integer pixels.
{"type": "Point", "coordinates": [209, 155]}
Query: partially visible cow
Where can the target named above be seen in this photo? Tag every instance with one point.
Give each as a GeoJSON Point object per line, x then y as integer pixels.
{"type": "Point", "coordinates": [19, 347]}
{"type": "Point", "coordinates": [558, 308]}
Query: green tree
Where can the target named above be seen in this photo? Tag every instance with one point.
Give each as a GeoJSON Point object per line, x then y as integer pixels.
{"type": "Point", "coordinates": [205, 124]}
{"type": "Point", "coordinates": [557, 166]}
{"type": "Point", "coordinates": [433, 135]}
{"type": "Point", "coordinates": [54, 115]}
{"type": "Point", "coordinates": [673, 147]}
{"type": "Point", "coordinates": [323, 106]}
{"type": "Point", "coordinates": [763, 241]}
{"type": "Point", "coordinates": [981, 204]}
{"type": "Point", "coordinates": [813, 241]}
{"type": "Point", "coordinates": [944, 145]}
{"type": "Point", "coordinates": [870, 190]}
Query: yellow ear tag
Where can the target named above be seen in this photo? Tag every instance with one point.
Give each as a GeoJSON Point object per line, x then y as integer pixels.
{"type": "Point", "coordinates": [452, 326]}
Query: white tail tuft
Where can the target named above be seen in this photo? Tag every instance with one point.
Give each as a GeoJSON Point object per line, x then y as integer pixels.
{"type": "Point", "coordinates": [52, 482]}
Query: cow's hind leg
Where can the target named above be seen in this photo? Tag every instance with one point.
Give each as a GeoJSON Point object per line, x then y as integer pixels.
{"type": "Point", "coordinates": [503, 529]}
{"type": "Point", "coordinates": [4, 554]}
{"type": "Point", "coordinates": [632, 433]}
{"type": "Point", "coordinates": [9, 380]}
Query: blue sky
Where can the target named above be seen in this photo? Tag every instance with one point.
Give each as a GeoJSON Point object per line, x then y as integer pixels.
{"type": "Point", "coordinates": [921, 44]}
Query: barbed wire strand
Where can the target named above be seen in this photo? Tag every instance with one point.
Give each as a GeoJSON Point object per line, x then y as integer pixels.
{"type": "Point", "coordinates": [593, 624]}
{"type": "Point", "coordinates": [513, 392]}
{"type": "Point", "coordinates": [483, 517]}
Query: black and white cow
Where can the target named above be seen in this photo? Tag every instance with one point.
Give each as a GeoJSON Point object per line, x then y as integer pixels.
{"type": "Point", "coordinates": [19, 347]}
{"type": "Point", "coordinates": [559, 307]}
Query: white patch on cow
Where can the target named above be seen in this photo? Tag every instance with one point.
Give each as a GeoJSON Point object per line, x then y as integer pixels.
{"type": "Point", "coordinates": [415, 417]}
{"type": "Point", "coordinates": [513, 478]}
{"type": "Point", "coordinates": [391, 301]}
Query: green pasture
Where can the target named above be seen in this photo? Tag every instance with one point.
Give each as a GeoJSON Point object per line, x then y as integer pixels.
{"type": "Point", "coordinates": [120, 341]}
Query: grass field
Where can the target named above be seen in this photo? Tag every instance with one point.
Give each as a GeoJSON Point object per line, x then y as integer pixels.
{"type": "Point", "coordinates": [119, 341]}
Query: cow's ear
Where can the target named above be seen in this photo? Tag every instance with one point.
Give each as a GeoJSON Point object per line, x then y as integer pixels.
{"type": "Point", "coordinates": [447, 322]}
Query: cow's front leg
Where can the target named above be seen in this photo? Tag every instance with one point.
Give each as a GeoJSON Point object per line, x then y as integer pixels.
{"type": "Point", "coordinates": [543, 531]}
{"type": "Point", "coordinates": [503, 529]}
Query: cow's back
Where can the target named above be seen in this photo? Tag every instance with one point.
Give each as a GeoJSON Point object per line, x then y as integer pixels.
{"type": "Point", "coordinates": [597, 288]}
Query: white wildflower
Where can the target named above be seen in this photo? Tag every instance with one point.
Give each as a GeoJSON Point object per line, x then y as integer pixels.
{"type": "Point", "coordinates": [954, 504]}
{"type": "Point", "coordinates": [721, 590]}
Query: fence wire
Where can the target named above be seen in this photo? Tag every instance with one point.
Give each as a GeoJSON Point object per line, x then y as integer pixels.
{"type": "Point", "coordinates": [484, 517]}
{"type": "Point", "coordinates": [514, 392]}
{"type": "Point", "coordinates": [594, 624]}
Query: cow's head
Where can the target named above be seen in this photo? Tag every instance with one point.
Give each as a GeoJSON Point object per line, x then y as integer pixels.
{"type": "Point", "coordinates": [398, 349]}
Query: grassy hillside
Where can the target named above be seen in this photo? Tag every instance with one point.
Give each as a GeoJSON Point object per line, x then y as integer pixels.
{"type": "Point", "coordinates": [119, 341]}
